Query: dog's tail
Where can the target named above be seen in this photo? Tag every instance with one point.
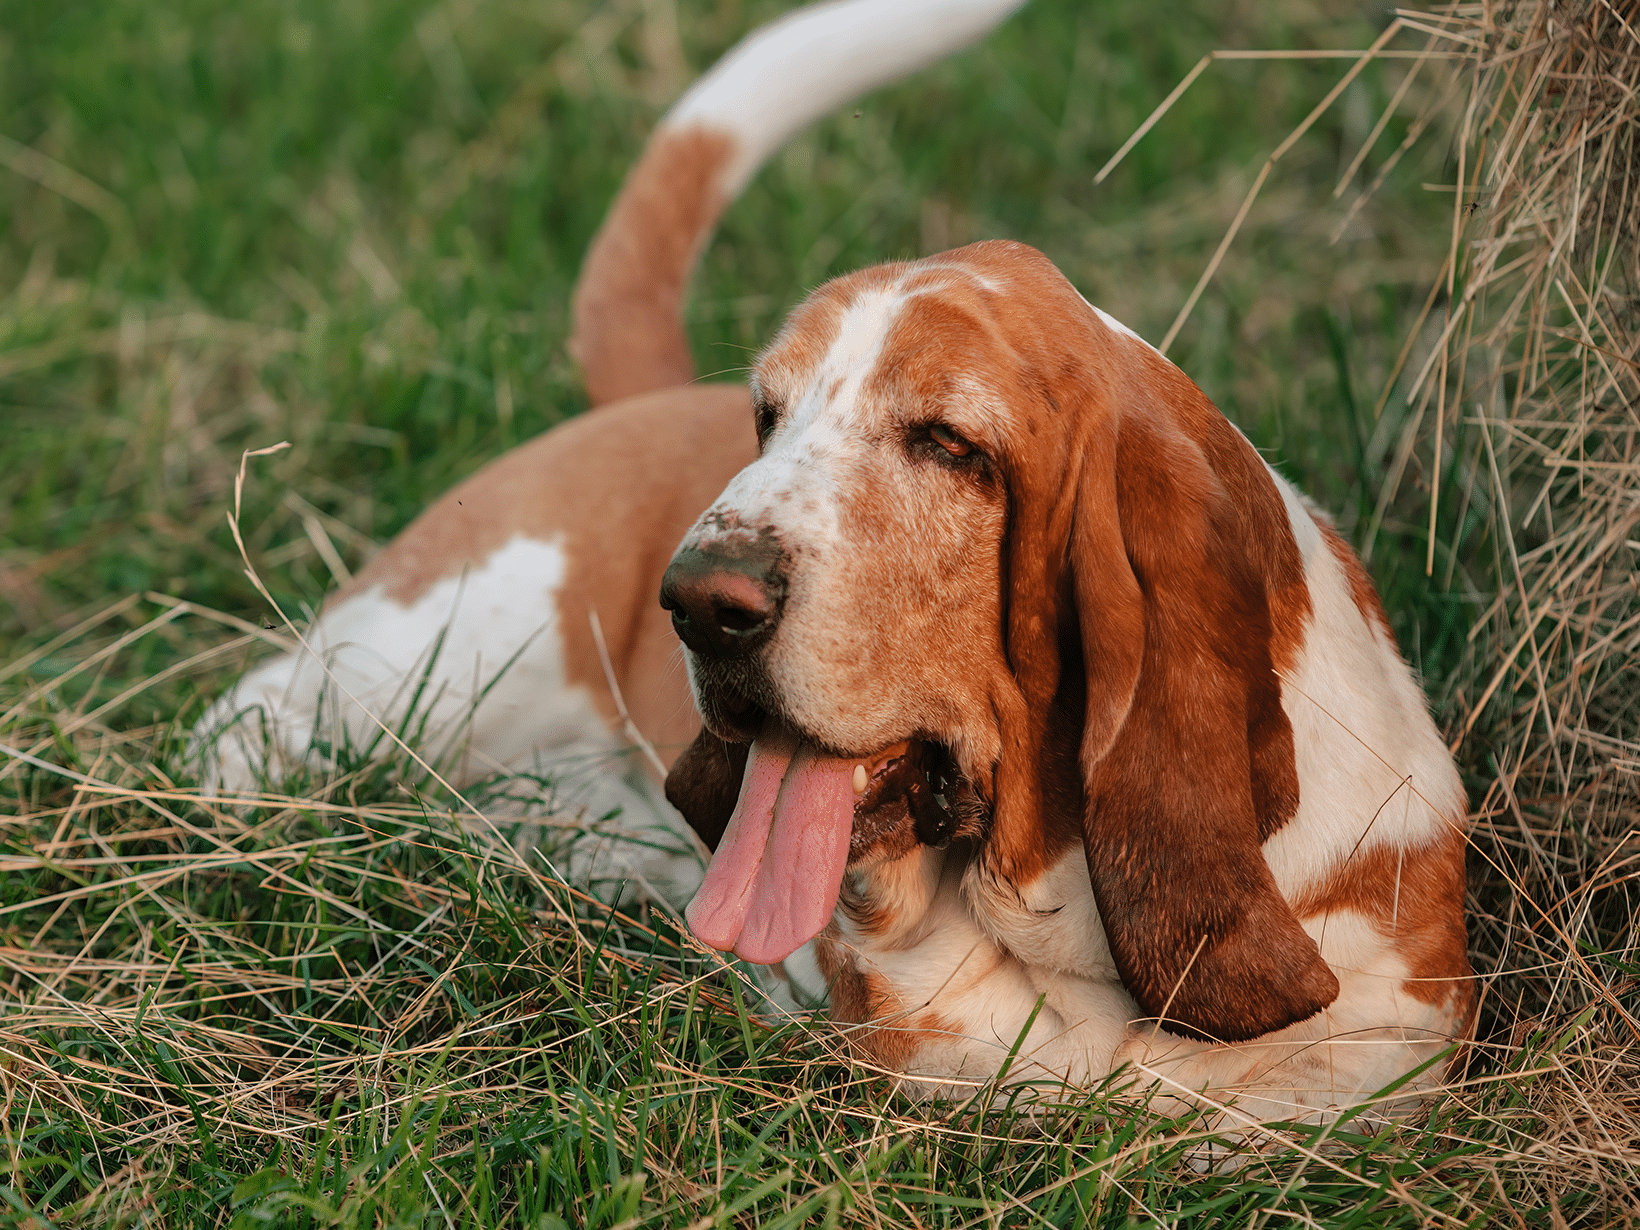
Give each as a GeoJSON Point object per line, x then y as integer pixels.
{"type": "Point", "coordinates": [628, 335]}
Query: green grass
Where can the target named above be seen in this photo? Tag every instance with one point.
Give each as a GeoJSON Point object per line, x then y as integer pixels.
{"type": "Point", "coordinates": [314, 1015]}
{"type": "Point", "coordinates": [354, 226]}
{"type": "Point", "coordinates": [331, 224]}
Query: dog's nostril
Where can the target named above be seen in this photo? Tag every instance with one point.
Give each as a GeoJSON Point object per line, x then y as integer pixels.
{"type": "Point", "coordinates": [739, 619]}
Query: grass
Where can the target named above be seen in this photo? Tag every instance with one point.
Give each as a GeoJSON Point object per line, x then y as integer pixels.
{"type": "Point", "coordinates": [357, 1019]}
{"type": "Point", "coordinates": [333, 225]}
{"type": "Point", "coordinates": [354, 226]}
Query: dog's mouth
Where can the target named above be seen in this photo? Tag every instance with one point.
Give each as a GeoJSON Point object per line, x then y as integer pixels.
{"type": "Point", "coordinates": [735, 698]}
{"type": "Point", "coordinates": [915, 795]}
{"type": "Point", "coordinates": [803, 817]}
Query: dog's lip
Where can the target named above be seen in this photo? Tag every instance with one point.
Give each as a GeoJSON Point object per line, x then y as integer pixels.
{"type": "Point", "coordinates": [750, 718]}
{"type": "Point", "coordinates": [731, 716]}
{"type": "Point", "coordinates": [872, 761]}
{"type": "Point", "coordinates": [877, 771]}
{"type": "Point", "coordinates": [878, 759]}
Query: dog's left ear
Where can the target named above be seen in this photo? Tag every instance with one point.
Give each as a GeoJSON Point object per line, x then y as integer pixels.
{"type": "Point", "coordinates": [1185, 775]}
{"type": "Point", "coordinates": [704, 784]}
{"type": "Point", "coordinates": [1154, 584]}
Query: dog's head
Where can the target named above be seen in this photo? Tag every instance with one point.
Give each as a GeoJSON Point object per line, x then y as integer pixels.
{"type": "Point", "coordinates": [987, 519]}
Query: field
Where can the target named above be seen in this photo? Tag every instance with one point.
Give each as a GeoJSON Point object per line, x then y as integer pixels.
{"type": "Point", "coordinates": [354, 226]}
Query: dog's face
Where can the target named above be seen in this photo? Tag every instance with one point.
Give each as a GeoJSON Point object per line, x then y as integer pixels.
{"type": "Point", "coordinates": [983, 519]}
{"type": "Point", "coordinates": [874, 522]}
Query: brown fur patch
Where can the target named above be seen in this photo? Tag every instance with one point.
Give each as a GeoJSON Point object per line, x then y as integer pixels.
{"type": "Point", "coordinates": [1415, 899]}
{"type": "Point", "coordinates": [704, 784]}
{"type": "Point", "coordinates": [947, 334]}
{"type": "Point", "coordinates": [629, 336]}
{"type": "Point", "coordinates": [1263, 533]}
{"type": "Point", "coordinates": [1202, 770]}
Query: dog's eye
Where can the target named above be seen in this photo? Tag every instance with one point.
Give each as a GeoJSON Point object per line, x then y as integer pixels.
{"type": "Point", "coordinates": [950, 441]}
{"type": "Point", "coordinates": [763, 417]}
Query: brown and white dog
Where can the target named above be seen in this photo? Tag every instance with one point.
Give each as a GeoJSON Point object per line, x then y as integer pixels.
{"type": "Point", "coordinates": [1075, 734]}
{"type": "Point", "coordinates": [1057, 724]}
{"type": "Point", "coordinates": [473, 630]}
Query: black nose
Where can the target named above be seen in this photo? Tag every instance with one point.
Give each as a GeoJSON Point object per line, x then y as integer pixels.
{"type": "Point", "coordinates": [725, 601]}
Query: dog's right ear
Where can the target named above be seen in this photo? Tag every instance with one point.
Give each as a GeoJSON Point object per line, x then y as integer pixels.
{"type": "Point", "coordinates": [704, 784]}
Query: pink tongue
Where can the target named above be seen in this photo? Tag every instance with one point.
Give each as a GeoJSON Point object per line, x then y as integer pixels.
{"type": "Point", "coordinates": [773, 883]}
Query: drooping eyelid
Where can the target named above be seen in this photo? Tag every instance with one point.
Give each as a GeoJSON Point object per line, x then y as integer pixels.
{"type": "Point", "coordinates": [917, 435]}
{"type": "Point", "coordinates": [977, 413]}
{"type": "Point", "coordinates": [766, 410]}
{"type": "Point", "coordinates": [922, 420]}
{"type": "Point", "coordinates": [951, 440]}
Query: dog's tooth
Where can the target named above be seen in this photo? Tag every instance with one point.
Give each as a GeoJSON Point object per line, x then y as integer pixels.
{"type": "Point", "coordinates": [860, 779]}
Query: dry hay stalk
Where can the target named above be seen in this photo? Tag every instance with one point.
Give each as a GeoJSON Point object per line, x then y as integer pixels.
{"type": "Point", "coordinates": [1535, 389]}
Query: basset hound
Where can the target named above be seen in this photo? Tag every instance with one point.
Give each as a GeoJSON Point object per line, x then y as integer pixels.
{"type": "Point", "coordinates": [1074, 737]}
{"type": "Point", "coordinates": [512, 628]}
{"type": "Point", "coordinates": [1038, 709]}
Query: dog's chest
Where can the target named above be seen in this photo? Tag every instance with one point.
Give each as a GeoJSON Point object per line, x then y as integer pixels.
{"type": "Point", "coordinates": [1050, 921]}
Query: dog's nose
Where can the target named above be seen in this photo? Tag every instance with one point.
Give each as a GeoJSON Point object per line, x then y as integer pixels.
{"type": "Point", "coordinates": [725, 601]}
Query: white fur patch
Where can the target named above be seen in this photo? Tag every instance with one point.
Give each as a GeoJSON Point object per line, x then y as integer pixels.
{"type": "Point", "coordinates": [1117, 325]}
{"type": "Point", "coordinates": [1052, 922]}
{"type": "Point", "coordinates": [471, 674]}
{"type": "Point", "coordinates": [786, 75]}
{"type": "Point", "coordinates": [969, 1003]}
{"type": "Point", "coordinates": [792, 483]}
{"type": "Point", "coordinates": [1300, 514]}
{"type": "Point", "coordinates": [1372, 769]}
{"type": "Point", "coordinates": [483, 650]}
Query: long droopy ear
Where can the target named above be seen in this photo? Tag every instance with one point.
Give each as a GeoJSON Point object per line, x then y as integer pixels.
{"type": "Point", "coordinates": [1154, 590]}
{"type": "Point", "coordinates": [704, 784]}
{"type": "Point", "coordinates": [1185, 775]}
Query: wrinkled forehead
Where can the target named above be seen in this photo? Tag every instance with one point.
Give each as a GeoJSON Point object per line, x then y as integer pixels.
{"type": "Point", "coordinates": [893, 331]}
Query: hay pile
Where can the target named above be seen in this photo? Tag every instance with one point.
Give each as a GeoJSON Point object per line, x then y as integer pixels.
{"type": "Point", "coordinates": [1533, 474]}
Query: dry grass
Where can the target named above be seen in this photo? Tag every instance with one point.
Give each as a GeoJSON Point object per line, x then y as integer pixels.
{"type": "Point", "coordinates": [316, 1011]}
{"type": "Point", "coordinates": [1523, 433]}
